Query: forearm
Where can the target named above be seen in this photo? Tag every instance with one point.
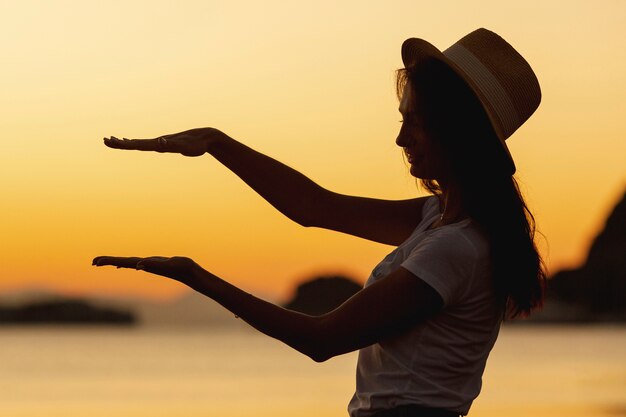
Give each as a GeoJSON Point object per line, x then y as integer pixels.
{"type": "Point", "coordinates": [289, 191]}
{"type": "Point", "coordinates": [302, 332]}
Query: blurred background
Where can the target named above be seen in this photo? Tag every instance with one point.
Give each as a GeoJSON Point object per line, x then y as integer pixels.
{"type": "Point", "coordinates": [311, 84]}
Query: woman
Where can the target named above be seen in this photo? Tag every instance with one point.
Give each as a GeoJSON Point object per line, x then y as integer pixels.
{"type": "Point", "coordinates": [465, 260]}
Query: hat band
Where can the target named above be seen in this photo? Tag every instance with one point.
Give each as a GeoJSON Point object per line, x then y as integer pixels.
{"type": "Point", "coordinates": [488, 85]}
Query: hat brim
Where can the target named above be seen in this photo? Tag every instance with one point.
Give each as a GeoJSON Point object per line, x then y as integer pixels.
{"type": "Point", "coordinates": [415, 51]}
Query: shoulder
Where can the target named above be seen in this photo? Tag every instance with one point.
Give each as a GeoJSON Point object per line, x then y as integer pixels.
{"type": "Point", "coordinates": [448, 258]}
{"type": "Point", "coordinates": [430, 206]}
{"type": "Point", "coordinates": [465, 236]}
{"type": "Point", "coordinates": [463, 239]}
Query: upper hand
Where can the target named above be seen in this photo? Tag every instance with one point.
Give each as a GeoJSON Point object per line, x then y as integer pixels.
{"type": "Point", "coordinates": [194, 142]}
{"type": "Point", "coordinates": [180, 268]}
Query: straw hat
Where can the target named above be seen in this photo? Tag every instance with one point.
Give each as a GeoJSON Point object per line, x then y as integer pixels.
{"type": "Point", "coordinates": [499, 76]}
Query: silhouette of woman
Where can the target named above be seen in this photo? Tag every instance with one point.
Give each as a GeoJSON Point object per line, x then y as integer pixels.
{"type": "Point", "coordinates": [465, 260]}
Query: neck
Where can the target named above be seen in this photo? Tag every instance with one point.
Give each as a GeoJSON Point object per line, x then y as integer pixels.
{"type": "Point", "coordinates": [452, 204]}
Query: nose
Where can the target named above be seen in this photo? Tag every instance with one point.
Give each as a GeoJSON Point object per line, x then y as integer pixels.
{"type": "Point", "coordinates": [404, 139]}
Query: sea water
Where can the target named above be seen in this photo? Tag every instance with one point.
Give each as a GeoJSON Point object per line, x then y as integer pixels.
{"type": "Point", "coordinates": [550, 371]}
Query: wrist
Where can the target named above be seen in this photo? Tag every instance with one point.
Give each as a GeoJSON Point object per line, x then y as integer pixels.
{"type": "Point", "coordinates": [214, 138]}
{"type": "Point", "coordinates": [195, 275]}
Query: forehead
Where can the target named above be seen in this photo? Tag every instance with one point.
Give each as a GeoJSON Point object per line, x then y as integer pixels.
{"type": "Point", "coordinates": [407, 99]}
{"type": "Point", "coordinates": [410, 103]}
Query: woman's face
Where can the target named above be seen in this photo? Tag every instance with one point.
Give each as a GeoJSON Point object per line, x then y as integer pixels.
{"type": "Point", "coordinates": [423, 152]}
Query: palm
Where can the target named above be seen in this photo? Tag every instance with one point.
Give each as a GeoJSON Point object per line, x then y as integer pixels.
{"type": "Point", "coordinates": [179, 268]}
{"type": "Point", "coordinates": [194, 142]}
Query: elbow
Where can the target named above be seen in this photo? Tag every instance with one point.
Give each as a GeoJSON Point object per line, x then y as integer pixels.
{"type": "Point", "coordinates": [303, 216]}
{"type": "Point", "coordinates": [309, 215]}
{"type": "Point", "coordinates": [319, 356]}
{"type": "Point", "coordinates": [311, 210]}
{"type": "Point", "coordinates": [303, 221]}
{"type": "Point", "coordinates": [321, 346]}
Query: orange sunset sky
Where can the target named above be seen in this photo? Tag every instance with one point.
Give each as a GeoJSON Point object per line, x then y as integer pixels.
{"type": "Point", "coordinates": [309, 83]}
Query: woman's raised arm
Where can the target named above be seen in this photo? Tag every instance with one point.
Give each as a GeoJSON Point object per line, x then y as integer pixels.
{"type": "Point", "coordinates": [292, 193]}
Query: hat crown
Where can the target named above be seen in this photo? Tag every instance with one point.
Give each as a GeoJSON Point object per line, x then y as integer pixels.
{"type": "Point", "coordinates": [503, 79]}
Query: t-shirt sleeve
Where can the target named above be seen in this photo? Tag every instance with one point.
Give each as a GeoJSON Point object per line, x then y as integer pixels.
{"type": "Point", "coordinates": [445, 261]}
{"type": "Point", "coordinates": [430, 208]}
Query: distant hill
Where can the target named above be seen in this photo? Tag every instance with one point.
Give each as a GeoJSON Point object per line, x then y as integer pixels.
{"type": "Point", "coordinates": [57, 310]}
{"type": "Point", "coordinates": [595, 292]}
{"type": "Point", "coordinates": [322, 294]}
{"type": "Point", "coordinates": [39, 307]}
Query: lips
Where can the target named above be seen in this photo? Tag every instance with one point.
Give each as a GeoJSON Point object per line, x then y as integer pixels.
{"type": "Point", "coordinates": [411, 157]}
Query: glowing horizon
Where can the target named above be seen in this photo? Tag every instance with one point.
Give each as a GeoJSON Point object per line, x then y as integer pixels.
{"type": "Point", "coordinates": [311, 85]}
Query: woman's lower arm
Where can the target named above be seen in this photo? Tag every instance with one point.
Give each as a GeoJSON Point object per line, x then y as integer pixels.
{"type": "Point", "coordinates": [300, 331]}
{"type": "Point", "coordinates": [386, 307]}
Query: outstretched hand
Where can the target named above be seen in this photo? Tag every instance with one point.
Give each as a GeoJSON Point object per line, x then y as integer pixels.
{"type": "Point", "coordinates": [180, 268]}
{"type": "Point", "coordinates": [194, 142]}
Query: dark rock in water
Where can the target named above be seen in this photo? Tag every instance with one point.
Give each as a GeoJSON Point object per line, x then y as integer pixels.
{"type": "Point", "coordinates": [323, 294]}
{"type": "Point", "coordinates": [63, 311]}
{"type": "Point", "coordinates": [598, 287]}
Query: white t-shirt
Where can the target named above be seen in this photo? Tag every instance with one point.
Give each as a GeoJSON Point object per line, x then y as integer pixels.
{"type": "Point", "coordinates": [439, 363]}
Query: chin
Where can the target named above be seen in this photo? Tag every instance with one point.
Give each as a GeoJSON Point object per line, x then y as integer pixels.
{"type": "Point", "coordinates": [424, 172]}
{"type": "Point", "coordinates": [420, 173]}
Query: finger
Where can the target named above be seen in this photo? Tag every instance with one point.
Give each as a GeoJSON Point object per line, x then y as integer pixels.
{"type": "Point", "coordinates": [134, 144]}
{"type": "Point", "coordinates": [118, 261]}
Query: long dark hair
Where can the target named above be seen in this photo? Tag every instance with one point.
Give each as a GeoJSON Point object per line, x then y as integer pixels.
{"type": "Point", "coordinates": [454, 116]}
